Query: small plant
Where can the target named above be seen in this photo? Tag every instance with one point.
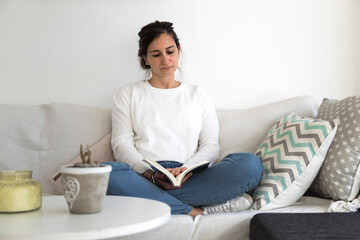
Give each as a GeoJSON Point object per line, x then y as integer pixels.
{"type": "Point", "coordinates": [86, 158]}
{"type": "Point", "coordinates": [85, 184]}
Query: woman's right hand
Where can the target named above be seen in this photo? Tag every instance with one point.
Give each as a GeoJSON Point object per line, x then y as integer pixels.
{"type": "Point", "coordinates": [160, 180]}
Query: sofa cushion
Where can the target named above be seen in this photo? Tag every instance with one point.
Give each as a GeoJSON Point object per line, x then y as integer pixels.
{"type": "Point", "coordinates": [235, 226]}
{"type": "Point", "coordinates": [242, 130]}
{"type": "Point", "coordinates": [44, 137]}
{"type": "Point", "coordinates": [339, 177]}
{"type": "Point", "coordinates": [292, 154]}
{"type": "Point", "coordinates": [229, 226]}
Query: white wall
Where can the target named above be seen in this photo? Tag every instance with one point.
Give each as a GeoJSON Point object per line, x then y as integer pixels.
{"type": "Point", "coordinates": [243, 52]}
{"type": "Point", "coordinates": [357, 45]}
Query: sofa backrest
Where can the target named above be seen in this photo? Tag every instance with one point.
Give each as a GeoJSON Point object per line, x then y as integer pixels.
{"type": "Point", "coordinates": [44, 137]}
{"type": "Point", "coordinates": [243, 130]}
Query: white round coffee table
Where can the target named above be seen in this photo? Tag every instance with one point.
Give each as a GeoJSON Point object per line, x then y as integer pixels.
{"type": "Point", "coordinates": [120, 216]}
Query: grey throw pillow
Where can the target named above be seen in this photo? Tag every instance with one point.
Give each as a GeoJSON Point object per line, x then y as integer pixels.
{"type": "Point", "coordinates": [339, 175]}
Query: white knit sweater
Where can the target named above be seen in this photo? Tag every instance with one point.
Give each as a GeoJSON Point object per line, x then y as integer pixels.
{"type": "Point", "coordinates": [178, 124]}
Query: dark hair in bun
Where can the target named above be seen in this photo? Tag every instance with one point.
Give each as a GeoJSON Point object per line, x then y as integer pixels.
{"type": "Point", "coordinates": [151, 31]}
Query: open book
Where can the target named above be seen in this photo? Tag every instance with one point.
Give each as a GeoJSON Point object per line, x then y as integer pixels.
{"type": "Point", "coordinates": [176, 181]}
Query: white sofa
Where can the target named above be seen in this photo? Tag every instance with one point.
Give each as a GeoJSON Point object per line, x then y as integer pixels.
{"type": "Point", "coordinates": [43, 137]}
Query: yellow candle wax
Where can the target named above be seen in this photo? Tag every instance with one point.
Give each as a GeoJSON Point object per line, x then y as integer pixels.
{"type": "Point", "coordinates": [19, 192]}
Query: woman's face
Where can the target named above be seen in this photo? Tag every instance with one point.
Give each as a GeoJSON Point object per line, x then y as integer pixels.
{"type": "Point", "coordinates": [162, 56]}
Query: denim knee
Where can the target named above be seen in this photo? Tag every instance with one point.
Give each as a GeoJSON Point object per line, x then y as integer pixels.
{"type": "Point", "coordinates": [248, 161]}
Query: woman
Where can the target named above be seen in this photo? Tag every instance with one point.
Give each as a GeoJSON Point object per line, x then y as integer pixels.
{"type": "Point", "coordinates": [175, 124]}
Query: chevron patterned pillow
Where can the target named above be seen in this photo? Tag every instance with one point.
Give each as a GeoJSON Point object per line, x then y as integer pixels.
{"type": "Point", "coordinates": [292, 154]}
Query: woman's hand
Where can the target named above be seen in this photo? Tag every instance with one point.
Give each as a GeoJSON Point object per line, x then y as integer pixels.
{"type": "Point", "coordinates": [175, 172]}
{"type": "Point", "coordinates": [162, 181]}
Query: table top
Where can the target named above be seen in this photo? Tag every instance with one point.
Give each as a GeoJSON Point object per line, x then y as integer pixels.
{"type": "Point", "coordinates": [120, 216]}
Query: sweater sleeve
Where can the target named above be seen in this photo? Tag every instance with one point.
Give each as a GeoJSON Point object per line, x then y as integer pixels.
{"type": "Point", "coordinates": [122, 133]}
{"type": "Point", "coordinates": [208, 147]}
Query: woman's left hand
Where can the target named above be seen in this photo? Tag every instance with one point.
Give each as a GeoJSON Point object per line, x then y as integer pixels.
{"type": "Point", "coordinates": [177, 171]}
{"type": "Point", "coordinates": [162, 181]}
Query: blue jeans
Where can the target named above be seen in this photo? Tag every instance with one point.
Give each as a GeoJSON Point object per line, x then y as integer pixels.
{"type": "Point", "coordinates": [236, 174]}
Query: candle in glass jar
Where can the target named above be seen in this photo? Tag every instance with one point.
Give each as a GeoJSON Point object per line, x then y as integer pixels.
{"type": "Point", "coordinates": [19, 192]}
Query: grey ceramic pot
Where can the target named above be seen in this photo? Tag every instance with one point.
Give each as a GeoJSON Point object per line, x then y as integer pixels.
{"type": "Point", "coordinates": [85, 188]}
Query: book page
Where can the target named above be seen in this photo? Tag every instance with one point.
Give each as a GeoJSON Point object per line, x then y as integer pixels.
{"type": "Point", "coordinates": [194, 169]}
{"type": "Point", "coordinates": [177, 181]}
{"type": "Point", "coordinates": [171, 177]}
